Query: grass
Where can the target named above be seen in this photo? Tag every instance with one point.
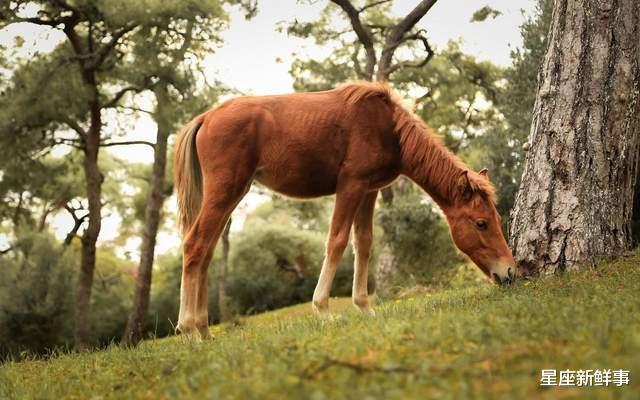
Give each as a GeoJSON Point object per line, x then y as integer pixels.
{"type": "Point", "coordinates": [487, 342]}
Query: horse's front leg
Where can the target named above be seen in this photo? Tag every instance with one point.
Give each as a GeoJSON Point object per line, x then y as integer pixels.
{"type": "Point", "coordinates": [348, 198]}
{"type": "Point", "coordinates": [362, 241]}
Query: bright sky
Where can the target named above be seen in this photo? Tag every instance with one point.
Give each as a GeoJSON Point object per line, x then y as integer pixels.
{"type": "Point", "coordinates": [248, 60]}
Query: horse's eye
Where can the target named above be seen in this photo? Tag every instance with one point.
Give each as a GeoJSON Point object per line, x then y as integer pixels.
{"type": "Point", "coordinates": [481, 224]}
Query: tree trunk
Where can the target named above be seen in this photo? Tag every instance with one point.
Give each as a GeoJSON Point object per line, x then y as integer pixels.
{"type": "Point", "coordinates": [574, 205]}
{"type": "Point", "coordinates": [93, 178]}
{"type": "Point", "coordinates": [635, 224]}
{"type": "Point", "coordinates": [223, 310]}
{"type": "Point", "coordinates": [134, 330]}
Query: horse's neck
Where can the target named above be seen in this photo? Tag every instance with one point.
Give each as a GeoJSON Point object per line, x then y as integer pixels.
{"type": "Point", "coordinates": [432, 166]}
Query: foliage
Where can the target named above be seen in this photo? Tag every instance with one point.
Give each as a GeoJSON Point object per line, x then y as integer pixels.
{"type": "Point", "coordinates": [111, 300]}
{"type": "Point", "coordinates": [35, 303]}
{"type": "Point", "coordinates": [165, 294]}
{"type": "Point", "coordinates": [420, 240]}
{"type": "Point", "coordinates": [487, 343]}
{"type": "Point", "coordinates": [275, 261]}
{"type": "Point", "coordinates": [500, 149]}
{"type": "Point", "coordinates": [485, 12]}
{"type": "Point", "coordinates": [36, 295]}
{"type": "Point", "coordinates": [272, 267]}
{"type": "Point", "coordinates": [455, 93]}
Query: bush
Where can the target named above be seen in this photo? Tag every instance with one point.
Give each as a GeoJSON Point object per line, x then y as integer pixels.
{"type": "Point", "coordinates": [37, 293]}
{"type": "Point", "coordinates": [420, 241]}
{"type": "Point", "coordinates": [36, 308]}
{"type": "Point", "coordinates": [273, 267]}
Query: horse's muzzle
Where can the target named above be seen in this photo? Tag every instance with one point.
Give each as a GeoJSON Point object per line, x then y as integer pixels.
{"type": "Point", "coordinates": [506, 280]}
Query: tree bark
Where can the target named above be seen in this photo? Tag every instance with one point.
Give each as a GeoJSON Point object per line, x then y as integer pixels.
{"type": "Point", "coordinates": [134, 330]}
{"type": "Point", "coordinates": [93, 178]}
{"type": "Point", "coordinates": [574, 205]}
{"type": "Point", "coordinates": [223, 310]}
{"type": "Point", "coordinates": [635, 224]}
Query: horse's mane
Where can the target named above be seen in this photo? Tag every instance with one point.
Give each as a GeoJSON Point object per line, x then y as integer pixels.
{"type": "Point", "coordinates": [354, 92]}
{"type": "Point", "coordinates": [425, 150]}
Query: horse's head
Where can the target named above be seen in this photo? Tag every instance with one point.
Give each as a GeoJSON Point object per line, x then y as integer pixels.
{"type": "Point", "coordinates": [476, 229]}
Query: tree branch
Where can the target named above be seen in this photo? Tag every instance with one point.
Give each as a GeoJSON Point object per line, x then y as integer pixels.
{"type": "Point", "coordinates": [397, 34]}
{"type": "Point", "coordinates": [418, 36]}
{"type": "Point", "coordinates": [103, 52]}
{"type": "Point", "coordinates": [74, 126]}
{"type": "Point", "coordinates": [374, 4]}
{"type": "Point", "coordinates": [38, 21]}
{"type": "Point", "coordinates": [70, 142]}
{"type": "Point", "coordinates": [118, 96]}
{"type": "Point", "coordinates": [356, 62]}
{"type": "Point", "coordinates": [128, 143]}
{"type": "Point", "coordinates": [363, 34]}
{"type": "Point", "coordinates": [77, 223]}
{"type": "Point", "coordinates": [137, 109]}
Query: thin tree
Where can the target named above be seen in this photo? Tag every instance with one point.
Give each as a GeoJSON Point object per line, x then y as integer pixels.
{"type": "Point", "coordinates": [97, 37]}
{"type": "Point", "coordinates": [575, 201]}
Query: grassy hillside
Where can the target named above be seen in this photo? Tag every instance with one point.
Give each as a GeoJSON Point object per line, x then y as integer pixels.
{"type": "Point", "coordinates": [488, 342]}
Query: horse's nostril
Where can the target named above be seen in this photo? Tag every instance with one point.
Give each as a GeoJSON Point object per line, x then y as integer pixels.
{"type": "Point", "coordinates": [510, 274]}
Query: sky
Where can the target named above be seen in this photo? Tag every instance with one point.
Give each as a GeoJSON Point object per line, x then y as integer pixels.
{"type": "Point", "coordinates": [255, 59]}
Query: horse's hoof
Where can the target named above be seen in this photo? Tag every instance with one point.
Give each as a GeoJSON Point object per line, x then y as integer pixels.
{"type": "Point", "coordinates": [368, 311]}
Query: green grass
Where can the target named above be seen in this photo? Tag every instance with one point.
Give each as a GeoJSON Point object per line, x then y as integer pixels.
{"type": "Point", "coordinates": [487, 342]}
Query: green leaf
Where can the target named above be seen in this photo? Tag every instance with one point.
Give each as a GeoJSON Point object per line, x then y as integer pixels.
{"type": "Point", "coordinates": [485, 12]}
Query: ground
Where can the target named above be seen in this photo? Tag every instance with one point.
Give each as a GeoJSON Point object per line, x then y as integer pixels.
{"type": "Point", "coordinates": [486, 342]}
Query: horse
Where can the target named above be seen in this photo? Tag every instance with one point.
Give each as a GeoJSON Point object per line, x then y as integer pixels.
{"type": "Point", "coordinates": [351, 141]}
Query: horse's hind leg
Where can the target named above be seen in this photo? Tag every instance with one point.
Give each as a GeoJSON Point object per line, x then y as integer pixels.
{"type": "Point", "coordinates": [222, 191]}
{"type": "Point", "coordinates": [348, 197]}
{"type": "Point", "coordinates": [362, 240]}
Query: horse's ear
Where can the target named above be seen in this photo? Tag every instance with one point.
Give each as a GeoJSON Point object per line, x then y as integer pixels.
{"type": "Point", "coordinates": [484, 172]}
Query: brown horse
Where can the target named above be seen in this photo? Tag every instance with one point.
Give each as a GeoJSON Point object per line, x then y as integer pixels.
{"type": "Point", "coordinates": [351, 141]}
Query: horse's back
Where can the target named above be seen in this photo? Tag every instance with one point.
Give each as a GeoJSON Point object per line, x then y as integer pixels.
{"type": "Point", "coordinates": [299, 143]}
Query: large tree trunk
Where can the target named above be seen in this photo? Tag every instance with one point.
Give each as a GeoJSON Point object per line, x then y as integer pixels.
{"type": "Point", "coordinates": [575, 200]}
{"type": "Point", "coordinates": [134, 330]}
{"type": "Point", "coordinates": [635, 218]}
{"type": "Point", "coordinates": [93, 178]}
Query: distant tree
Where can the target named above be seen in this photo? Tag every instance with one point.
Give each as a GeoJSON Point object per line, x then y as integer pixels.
{"type": "Point", "coordinates": [76, 84]}
{"type": "Point", "coordinates": [35, 304]}
{"type": "Point", "coordinates": [162, 54]}
{"type": "Point", "coordinates": [575, 201]}
{"type": "Point", "coordinates": [370, 54]}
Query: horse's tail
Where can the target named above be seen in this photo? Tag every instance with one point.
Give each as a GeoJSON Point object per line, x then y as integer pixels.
{"type": "Point", "coordinates": [187, 174]}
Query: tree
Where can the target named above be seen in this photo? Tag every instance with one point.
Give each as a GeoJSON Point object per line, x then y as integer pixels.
{"type": "Point", "coordinates": [162, 54]}
{"type": "Point", "coordinates": [575, 201]}
{"type": "Point", "coordinates": [98, 35]}
{"type": "Point", "coordinates": [375, 31]}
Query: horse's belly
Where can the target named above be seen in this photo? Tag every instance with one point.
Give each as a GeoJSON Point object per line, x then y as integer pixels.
{"type": "Point", "coordinates": [296, 183]}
